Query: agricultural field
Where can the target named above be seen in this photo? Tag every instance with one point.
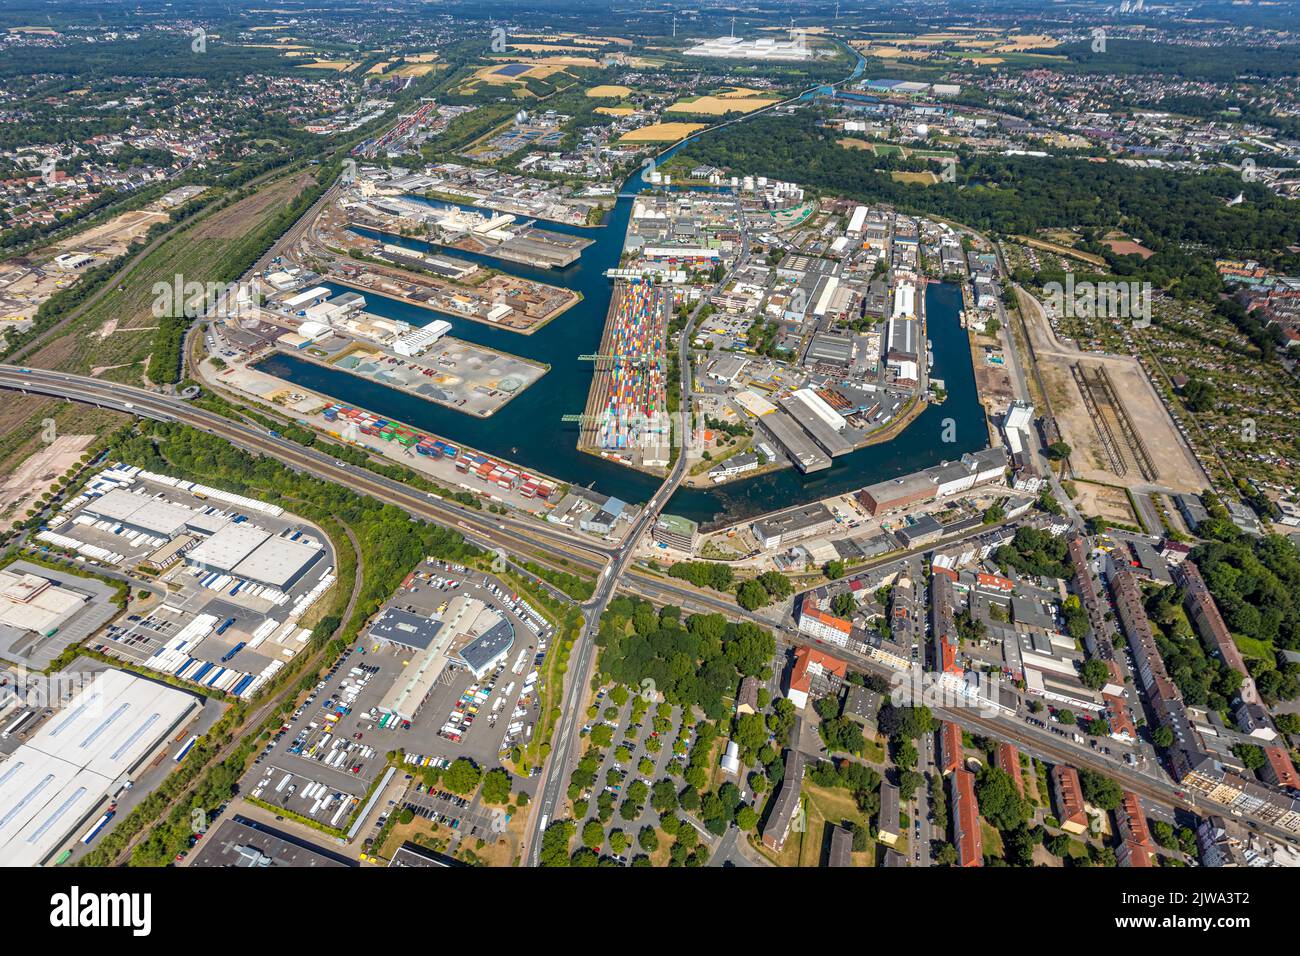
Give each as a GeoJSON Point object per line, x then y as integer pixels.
{"type": "Point", "coordinates": [577, 39]}
{"type": "Point", "coordinates": [338, 66]}
{"type": "Point", "coordinates": [415, 69]}
{"type": "Point", "coordinates": [661, 133]}
{"type": "Point", "coordinates": [609, 91]}
{"type": "Point", "coordinates": [721, 105]}
{"type": "Point", "coordinates": [521, 76]}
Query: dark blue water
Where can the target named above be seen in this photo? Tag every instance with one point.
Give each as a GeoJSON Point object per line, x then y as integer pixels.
{"type": "Point", "coordinates": [528, 430]}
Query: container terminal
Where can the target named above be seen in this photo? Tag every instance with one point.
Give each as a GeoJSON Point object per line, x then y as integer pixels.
{"type": "Point", "coordinates": [627, 416]}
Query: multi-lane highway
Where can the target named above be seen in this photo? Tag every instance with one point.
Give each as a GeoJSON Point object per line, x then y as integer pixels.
{"type": "Point", "coordinates": [519, 533]}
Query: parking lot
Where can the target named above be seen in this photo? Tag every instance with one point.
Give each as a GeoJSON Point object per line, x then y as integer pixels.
{"type": "Point", "coordinates": [330, 745]}
{"type": "Point", "coordinates": [336, 743]}
{"type": "Point", "coordinates": [631, 765]}
{"type": "Point", "coordinates": [468, 819]}
{"type": "Point", "coordinates": [464, 716]}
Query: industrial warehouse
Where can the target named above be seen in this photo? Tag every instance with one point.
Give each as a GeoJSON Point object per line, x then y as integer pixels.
{"type": "Point", "coordinates": [466, 632]}
{"type": "Point", "coordinates": [239, 575]}
{"type": "Point", "coordinates": [43, 612]}
{"type": "Point", "coordinates": [82, 756]}
{"type": "Point", "coordinates": [29, 602]}
{"type": "Point", "coordinates": [255, 555]}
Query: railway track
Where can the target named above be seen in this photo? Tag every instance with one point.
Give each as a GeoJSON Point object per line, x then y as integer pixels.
{"type": "Point", "coordinates": [1136, 445]}
{"type": "Point", "coordinates": [502, 530]}
{"type": "Point", "coordinates": [1099, 423]}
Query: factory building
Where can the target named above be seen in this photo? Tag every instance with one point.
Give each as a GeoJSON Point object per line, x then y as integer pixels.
{"type": "Point", "coordinates": [972, 469]}
{"type": "Point", "coordinates": [488, 649]}
{"type": "Point", "coordinates": [901, 355]}
{"type": "Point", "coordinates": [793, 524]}
{"type": "Point", "coordinates": [29, 602]}
{"type": "Point", "coordinates": [485, 636]}
{"type": "Point", "coordinates": [399, 628]}
{"type": "Point", "coordinates": [418, 341]}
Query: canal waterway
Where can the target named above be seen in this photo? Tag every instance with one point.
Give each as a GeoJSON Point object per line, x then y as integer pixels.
{"type": "Point", "coordinates": [529, 430]}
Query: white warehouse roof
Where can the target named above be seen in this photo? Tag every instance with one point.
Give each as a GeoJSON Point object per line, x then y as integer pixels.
{"type": "Point", "coordinates": [33, 603]}
{"type": "Point", "coordinates": [141, 511]}
{"type": "Point", "coordinates": [227, 547]}
{"type": "Point", "coordinates": [52, 783]}
{"type": "Point", "coordinates": [277, 562]}
{"type": "Point", "coordinates": [113, 723]}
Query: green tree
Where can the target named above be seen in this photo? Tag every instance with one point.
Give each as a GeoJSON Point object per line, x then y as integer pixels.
{"type": "Point", "coordinates": [593, 835]}
{"type": "Point", "coordinates": [1099, 790]}
{"type": "Point", "coordinates": [843, 605]}
{"type": "Point", "coordinates": [648, 838]}
{"type": "Point", "coordinates": [1094, 674]}
{"type": "Point", "coordinates": [496, 786]}
{"type": "Point", "coordinates": [462, 776]}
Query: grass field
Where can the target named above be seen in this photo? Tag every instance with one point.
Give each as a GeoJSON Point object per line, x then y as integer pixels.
{"type": "Point", "coordinates": [920, 179]}
{"type": "Point", "coordinates": [823, 808]}
{"type": "Point", "coordinates": [115, 337]}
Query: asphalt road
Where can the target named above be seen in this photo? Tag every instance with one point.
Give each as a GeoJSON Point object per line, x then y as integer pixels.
{"type": "Point", "coordinates": [507, 530]}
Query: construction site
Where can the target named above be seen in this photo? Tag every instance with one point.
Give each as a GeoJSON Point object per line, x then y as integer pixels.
{"type": "Point", "coordinates": [1120, 433]}
{"type": "Point", "coordinates": [1126, 453]}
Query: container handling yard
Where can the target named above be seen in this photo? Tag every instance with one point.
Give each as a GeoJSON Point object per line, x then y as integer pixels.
{"type": "Point", "coordinates": [427, 363]}
{"type": "Point", "coordinates": [627, 415]}
{"type": "Point", "coordinates": [335, 332]}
